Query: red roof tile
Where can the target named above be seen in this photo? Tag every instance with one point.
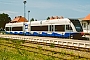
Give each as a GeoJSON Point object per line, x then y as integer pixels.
{"type": "Point", "coordinates": [87, 17]}
{"type": "Point", "coordinates": [19, 19]}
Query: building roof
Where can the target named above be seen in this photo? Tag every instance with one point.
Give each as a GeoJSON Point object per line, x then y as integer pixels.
{"type": "Point", "coordinates": [80, 19]}
{"type": "Point", "coordinates": [87, 18]}
{"type": "Point", "coordinates": [56, 17]}
{"type": "Point", "coordinates": [19, 19]}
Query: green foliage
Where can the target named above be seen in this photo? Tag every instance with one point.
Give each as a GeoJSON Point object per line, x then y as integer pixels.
{"type": "Point", "coordinates": [32, 19]}
{"type": "Point", "coordinates": [4, 18]}
{"type": "Point", "coordinates": [35, 19]}
{"type": "Point", "coordinates": [1, 38]}
{"type": "Point", "coordinates": [52, 45]}
{"type": "Point", "coordinates": [16, 54]}
{"type": "Point", "coordinates": [48, 18]}
{"type": "Point", "coordinates": [18, 41]}
{"type": "Point", "coordinates": [7, 52]}
{"type": "Point", "coordinates": [39, 47]}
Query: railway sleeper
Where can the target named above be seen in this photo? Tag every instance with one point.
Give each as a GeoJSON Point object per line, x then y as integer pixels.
{"type": "Point", "coordinates": [48, 44]}
{"type": "Point", "coordinates": [41, 43]}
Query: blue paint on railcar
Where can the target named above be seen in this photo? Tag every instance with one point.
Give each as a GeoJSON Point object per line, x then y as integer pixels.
{"type": "Point", "coordinates": [27, 33]}
{"type": "Point", "coordinates": [35, 34]}
{"type": "Point", "coordinates": [7, 32]}
{"type": "Point", "coordinates": [45, 34]}
{"type": "Point", "coordinates": [67, 35]}
{"type": "Point", "coordinates": [21, 33]}
{"type": "Point", "coordinates": [16, 33]}
{"type": "Point", "coordinates": [58, 35]}
{"type": "Point", "coordinates": [11, 32]}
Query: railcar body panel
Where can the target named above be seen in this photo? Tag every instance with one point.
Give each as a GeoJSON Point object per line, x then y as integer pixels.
{"type": "Point", "coordinates": [63, 28]}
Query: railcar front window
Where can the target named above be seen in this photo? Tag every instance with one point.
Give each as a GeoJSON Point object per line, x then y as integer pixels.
{"type": "Point", "coordinates": [77, 25]}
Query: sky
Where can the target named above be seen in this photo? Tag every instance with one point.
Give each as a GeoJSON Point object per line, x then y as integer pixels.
{"type": "Point", "coordinates": [41, 9]}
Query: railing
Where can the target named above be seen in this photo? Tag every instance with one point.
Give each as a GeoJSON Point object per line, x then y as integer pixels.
{"type": "Point", "coordinates": [59, 41]}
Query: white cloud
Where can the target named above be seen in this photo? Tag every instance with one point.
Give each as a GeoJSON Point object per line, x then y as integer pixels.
{"type": "Point", "coordinates": [8, 12]}
{"type": "Point", "coordinates": [2, 2]}
{"type": "Point", "coordinates": [80, 8]}
{"type": "Point", "coordinates": [8, 2]}
{"type": "Point", "coordinates": [45, 5]}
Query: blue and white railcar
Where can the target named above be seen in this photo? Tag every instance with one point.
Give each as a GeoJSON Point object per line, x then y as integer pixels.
{"type": "Point", "coordinates": [17, 28]}
{"type": "Point", "coordinates": [56, 28]}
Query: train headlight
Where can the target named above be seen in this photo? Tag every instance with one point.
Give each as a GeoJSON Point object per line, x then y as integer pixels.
{"type": "Point", "coordinates": [82, 33]}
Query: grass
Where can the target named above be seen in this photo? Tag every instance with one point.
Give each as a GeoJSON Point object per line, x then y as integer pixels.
{"type": "Point", "coordinates": [9, 53]}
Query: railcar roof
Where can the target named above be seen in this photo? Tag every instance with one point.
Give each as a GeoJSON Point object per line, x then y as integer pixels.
{"type": "Point", "coordinates": [72, 19]}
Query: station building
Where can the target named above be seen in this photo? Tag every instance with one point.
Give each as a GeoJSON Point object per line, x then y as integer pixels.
{"type": "Point", "coordinates": [85, 22]}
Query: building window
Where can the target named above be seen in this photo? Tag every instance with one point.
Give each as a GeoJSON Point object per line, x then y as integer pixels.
{"type": "Point", "coordinates": [84, 25]}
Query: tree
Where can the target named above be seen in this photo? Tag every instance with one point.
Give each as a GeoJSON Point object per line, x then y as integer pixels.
{"type": "Point", "coordinates": [4, 18]}
{"type": "Point", "coordinates": [48, 18]}
{"type": "Point", "coordinates": [32, 19]}
{"type": "Point", "coordinates": [35, 19]}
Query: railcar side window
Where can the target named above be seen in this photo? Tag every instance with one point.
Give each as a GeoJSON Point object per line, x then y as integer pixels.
{"type": "Point", "coordinates": [39, 28]}
{"type": "Point", "coordinates": [60, 28]}
{"type": "Point", "coordinates": [17, 29]}
{"type": "Point", "coordinates": [7, 28]}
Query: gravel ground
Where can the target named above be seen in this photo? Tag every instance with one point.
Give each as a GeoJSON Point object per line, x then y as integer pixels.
{"type": "Point", "coordinates": [88, 36]}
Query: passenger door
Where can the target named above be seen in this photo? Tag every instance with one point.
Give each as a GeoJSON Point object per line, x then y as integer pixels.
{"type": "Point", "coordinates": [68, 28]}
{"type": "Point", "coordinates": [51, 28]}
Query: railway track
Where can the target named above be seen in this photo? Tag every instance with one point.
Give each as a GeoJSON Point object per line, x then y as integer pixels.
{"type": "Point", "coordinates": [39, 50]}
{"type": "Point", "coordinates": [57, 42]}
{"type": "Point", "coordinates": [62, 46]}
